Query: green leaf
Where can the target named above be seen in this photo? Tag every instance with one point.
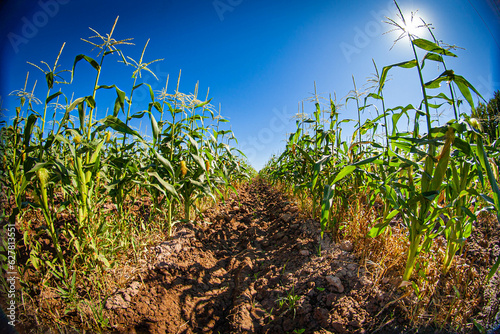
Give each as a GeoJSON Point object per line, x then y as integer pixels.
{"type": "Point", "coordinates": [96, 152]}
{"type": "Point", "coordinates": [305, 154]}
{"type": "Point", "coordinates": [433, 57]}
{"type": "Point", "coordinates": [165, 185]}
{"type": "Point", "coordinates": [406, 64]}
{"type": "Point", "coordinates": [164, 162]}
{"type": "Point", "coordinates": [326, 205]}
{"type": "Point", "coordinates": [203, 104]}
{"type": "Point", "coordinates": [375, 96]}
{"type": "Point", "coordinates": [377, 230]}
{"type": "Point", "coordinates": [493, 269]}
{"type": "Point", "coordinates": [151, 93]}
{"type": "Point", "coordinates": [436, 83]}
{"type": "Point", "coordinates": [430, 195]}
{"type": "Point", "coordinates": [193, 143]}
{"type": "Point", "coordinates": [88, 59]}
{"type": "Point", "coordinates": [49, 77]}
{"type": "Point", "coordinates": [441, 96]}
{"type": "Point", "coordinates": [483, 158]}
{"type": "Point", "coordinates": [90, 101]}
{"type": "Point", "coordinates": [53, 96]}
{"type": "Point", "coordinates": [442, 165]}
{"type": "Point", "coordinates": [120, 98]}
{"type": "Point", "coordinates": [465, 87]}
{"type": "Point", "coordinates": [461, 83]}
{"type": "Point", "coordinates": [154, 125]}
{"type": "Point", "coordinates": [157, 106]}
{"type": "Point", "coordinates": [119, 102]}
{"type": "Point", "coordinates": [38, 166]}
{"type": "Point", "coordinates": [343, 173]}
{"type": "Point", "coordinates": [139, 114]}
{"type": "Point", "coordinates": [75, 103]}
{"type": "Point", "coordinates": [81, 115]}
{"type": "Point", "coordinates": [367, 160]}
{"type": "Point", "coordinates": [117, 125]}
{"type": "Point", "coordinates": [318, 167]}
{"type": "Point", "coordinates": [432, 47]}
{"type": "Point", "coordinates": [199, 160]}
{"type": "Point", "coordinates": [28, 128]}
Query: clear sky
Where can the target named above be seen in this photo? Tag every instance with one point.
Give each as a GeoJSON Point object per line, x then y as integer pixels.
{"type": "Point", "coordinates": [260, 59]}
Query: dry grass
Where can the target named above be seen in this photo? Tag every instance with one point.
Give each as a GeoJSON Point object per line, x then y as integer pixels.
{"type": "Point", "coordinates": [446, 301]}
{"type": "Point", "coordinates": [40, 302]}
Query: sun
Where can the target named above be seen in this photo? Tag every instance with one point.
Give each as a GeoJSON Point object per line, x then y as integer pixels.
{"type": "Point", "coordinates": [412, 23]}
{"type": "Point", "coordinates": [408, 24]}
{"type": "Point", "coordinates": [411, 26]}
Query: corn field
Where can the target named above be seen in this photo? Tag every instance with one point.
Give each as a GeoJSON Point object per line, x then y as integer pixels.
{"type": "Point", "coordinates": [71, 184]}
{"type": "Point", "coordinates": [437, 179]}
{"type": "Point", "coordinates": [70, 172]}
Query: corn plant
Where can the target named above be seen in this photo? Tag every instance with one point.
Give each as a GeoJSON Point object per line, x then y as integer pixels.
{"type": "Point", "coordinates": [75, 168]}
{"type": "Point", "coordinates": [423, 177]}
{"type": "Point", "coordinates": [494, 201]}
{"type": "Point", "coordinates": [418, 202]}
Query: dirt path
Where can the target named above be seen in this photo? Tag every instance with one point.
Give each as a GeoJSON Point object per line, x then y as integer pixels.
{"type": "Point", "coordinates": [254, 269]}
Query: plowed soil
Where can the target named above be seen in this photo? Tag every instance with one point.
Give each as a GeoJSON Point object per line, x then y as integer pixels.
{"type": "Point", "coordinates": [255, 265]}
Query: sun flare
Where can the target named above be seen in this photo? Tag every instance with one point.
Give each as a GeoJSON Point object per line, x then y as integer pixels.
{"type": "Point", "coordinates": [411, 26]}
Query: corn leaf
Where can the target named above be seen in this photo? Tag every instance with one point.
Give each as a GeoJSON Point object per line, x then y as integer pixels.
{"type": "Point", "coordinates": [406, 64]}
{"type": "Point", "coordinates": [154, 126]}
{"type": "Point", "coordinates": [120, 98]}
{"type": "Point", "coordinates": [96, 152]}
{"type": "Point", "coordinates": [199, 161]}
{"type": "Point", "coordinates": [379, 228]}
{"type": "Point", "coordinates": [465, 88]}
{"type": "Point", "coordinates": [202, 104]}
{"type": "Point", "coordinates": [432, 47]}
{"type": "Point", "coordinates": [118, 125]}
{"type": "Point", "coordinates": [433, 57]}
{"type": "Point", "coordinates": [367, 160]}
{"type": "Point", "coordinates": [49, 78]}
{"type": "Point", "coordinates": [483, 158]}
{"type": "Point", "coordinates": [28, 129]}
{"type": "Point", "coordinates": [326, 205]}
{"type": "Point", "coordinates": [164, 162]}
{"type": "Point", "coordinates": [318, 167]}
{"type": "Point", "coordinates": [53, 96]}
{"type": "Point", "coordinates": [343, 173]}
{"type": "Point", "coordinates": [164, 185]}
{"type": "Point", "coordinates": [89, 60]}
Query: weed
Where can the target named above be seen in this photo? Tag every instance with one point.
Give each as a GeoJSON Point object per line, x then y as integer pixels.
{"type": "Point", "coordinates": [289, 301]}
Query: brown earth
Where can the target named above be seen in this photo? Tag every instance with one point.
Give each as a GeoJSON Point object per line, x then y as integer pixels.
{"type": "Point", "coordinates": [255, 265]}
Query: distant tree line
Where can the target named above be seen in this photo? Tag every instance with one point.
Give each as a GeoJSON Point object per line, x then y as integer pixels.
{"type": "Point", "coordinates": [489, 116]}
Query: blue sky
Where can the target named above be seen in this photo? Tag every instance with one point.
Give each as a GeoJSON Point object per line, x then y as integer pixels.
{"type": "Point", "coordinates": [260, 59]}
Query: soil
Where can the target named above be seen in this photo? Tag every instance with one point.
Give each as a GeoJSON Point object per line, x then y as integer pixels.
{"type": "Point", "coordinates": [254, 265]}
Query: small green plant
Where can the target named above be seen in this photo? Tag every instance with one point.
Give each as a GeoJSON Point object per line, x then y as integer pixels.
{"type": "Point", "coordinates": [269, 315]}
{"type": "Point", "coordinates": [289, 301]}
